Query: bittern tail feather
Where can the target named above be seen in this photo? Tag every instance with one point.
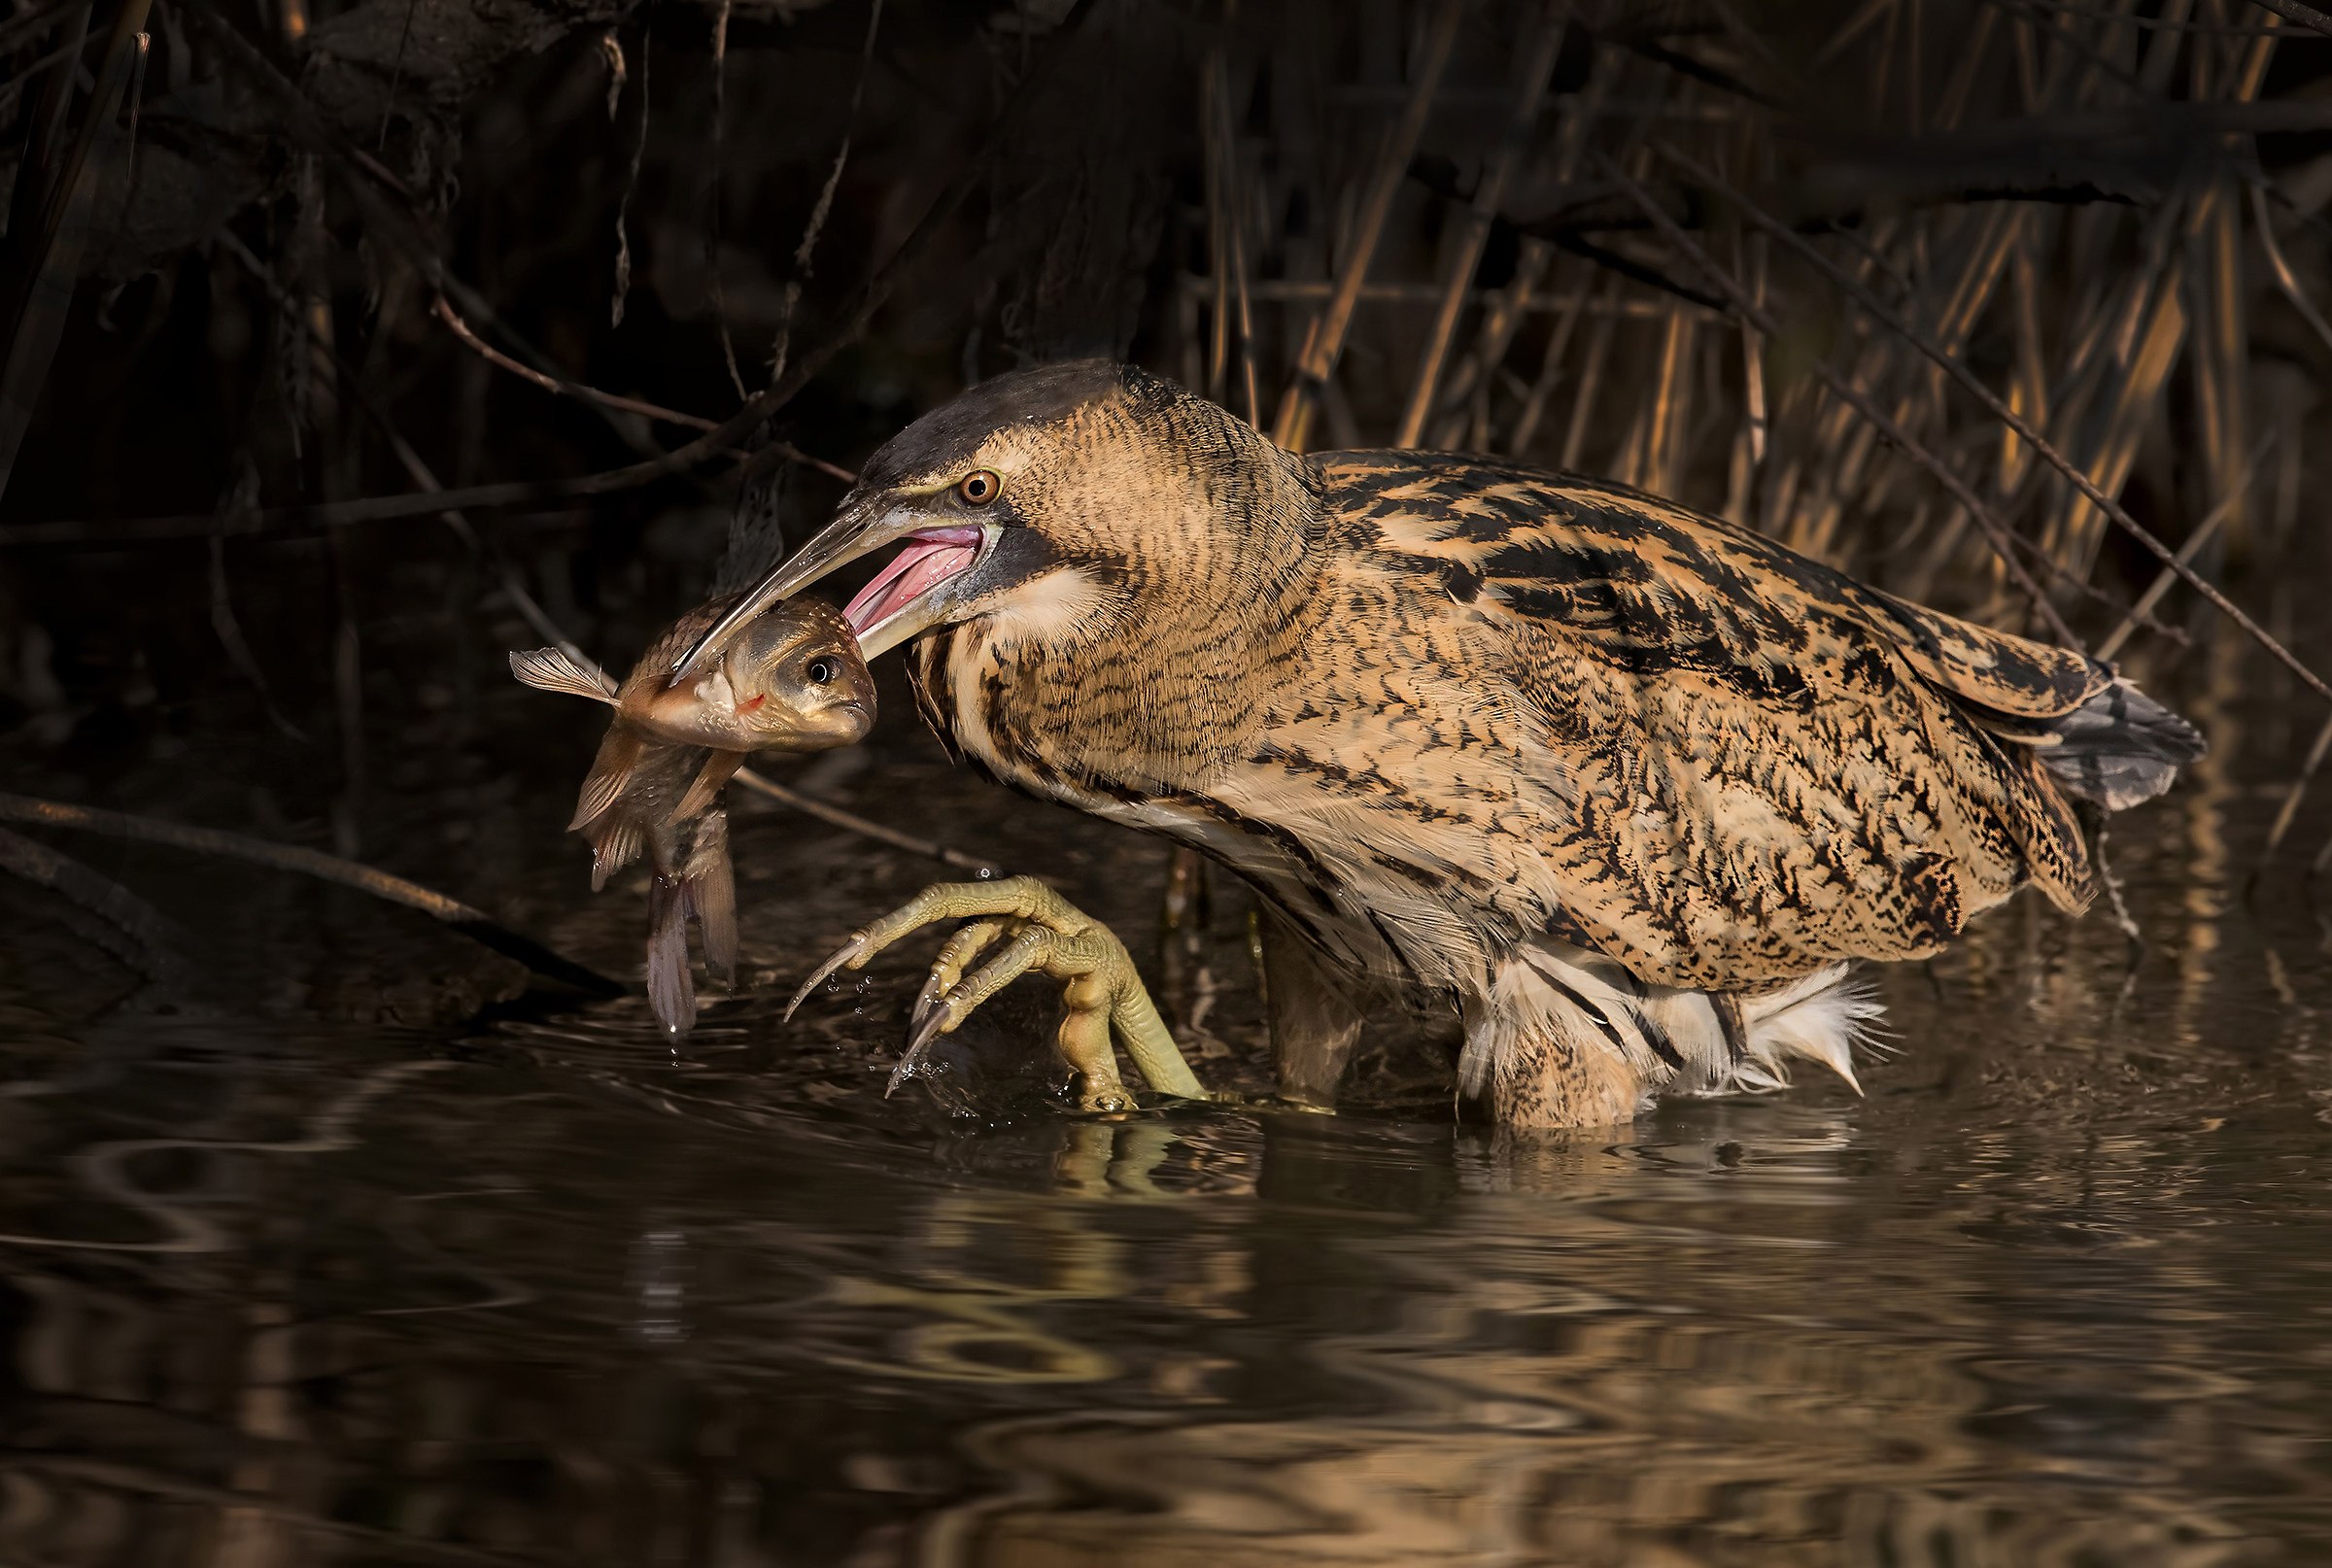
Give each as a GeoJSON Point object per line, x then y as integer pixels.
{"type": "Point", "coordinates": [2121, 747]}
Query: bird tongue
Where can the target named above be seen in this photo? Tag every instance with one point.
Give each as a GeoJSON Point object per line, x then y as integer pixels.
{"type": "Point", "coordinates": [930, 558]}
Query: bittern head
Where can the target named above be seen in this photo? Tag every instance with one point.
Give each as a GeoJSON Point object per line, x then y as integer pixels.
{"type": "Point", "coordinates": [1051, 499]}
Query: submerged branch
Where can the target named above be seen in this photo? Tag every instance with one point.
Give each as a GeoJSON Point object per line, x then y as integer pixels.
{"type": "Point", "coordinates": [155, 944]}
{"type": "Point", "coordinates": [475, 924]}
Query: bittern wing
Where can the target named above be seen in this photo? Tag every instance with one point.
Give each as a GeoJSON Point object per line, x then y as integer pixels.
{"type": "Point", "coordinates": [1763, 765]}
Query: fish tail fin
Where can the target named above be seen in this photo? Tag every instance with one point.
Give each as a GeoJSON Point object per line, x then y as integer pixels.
{"type": "Point", "coordinates": [555, 669]}
{"type": "Point", "coordinates": [709, 882]}
{"type": "Point", "coordinates": [671, 990]}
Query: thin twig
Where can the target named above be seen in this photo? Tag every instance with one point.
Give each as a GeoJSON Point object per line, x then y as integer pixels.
{"type": "Point", "coordinates": [137, 95]}
{"type": "Point", "coordinates": [2204, 532]}
{"type": "Point", "coordinates": [445, 312]}
{"type": "Point", "coordinates": [397, 76]}
{"type": "Point", "coordinates": [1854, 398]}
{"type": "Point", "coordinates": [1234, 312]}
{"type": "Point", "coordinates": [1538, 67]}
{"type": "Point", "coordinates": [810, 806]}
{"type": "Point", "coordinates": [2292, 11]}
{"type": "Point", "coordinates": [475, 924]}
{"type": "Point", "coordinates": [1549, 373]}
{"type": "Point", "coordinates": [1323, 345]}
{"type": "Point", "coordinates": [2079, 588]}
{"type": "Point", "coordinates": [50, 223]}
{"type": "Point", "coordinates": [853, 320]}
{"type": "Point", "coordinates": [1953, 366]}
{"type": "Point", "coordinates": [2286, 279]}
{"type": "Point", "coordinates": [712, 237]}
{"type": "Point", "coordinates": [806, 254]}
{"type": "Point", "coordinates": [2293, 794]}
{"type": "Point", "coordinates": [236, 497]}
{"type": "Point", "coordinates": [639, 152]}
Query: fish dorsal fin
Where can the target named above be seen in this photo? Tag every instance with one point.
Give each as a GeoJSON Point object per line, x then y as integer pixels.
{"type": "Point", "coordinates": [555, 670]}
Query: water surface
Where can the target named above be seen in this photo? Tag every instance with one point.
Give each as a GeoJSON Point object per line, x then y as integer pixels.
{"type": "Point", "coordinates": [323, 1278]}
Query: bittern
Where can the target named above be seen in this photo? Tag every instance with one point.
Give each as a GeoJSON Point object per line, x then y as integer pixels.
{"type": "Point", "coordinates": [1629, 784]}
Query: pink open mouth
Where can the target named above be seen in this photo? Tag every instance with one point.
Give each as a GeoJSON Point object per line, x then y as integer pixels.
{"type": "Point", "coordinates": [932, 556]}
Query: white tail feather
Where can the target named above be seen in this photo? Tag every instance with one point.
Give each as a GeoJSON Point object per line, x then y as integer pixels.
{"type": "Point", "coordinates": [1821, 1018]}
{"type": "Point", "coordinates": [1673, 1041]}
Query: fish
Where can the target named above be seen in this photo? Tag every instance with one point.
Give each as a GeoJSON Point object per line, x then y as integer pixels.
{"type": "Point", "coordinates": [794, 681]}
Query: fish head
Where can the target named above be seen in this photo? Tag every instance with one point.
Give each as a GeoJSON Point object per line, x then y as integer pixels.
{"type": "Point", "coordinates": [798, 680]}
{"type": "Point", "coordinates": [793, 680]}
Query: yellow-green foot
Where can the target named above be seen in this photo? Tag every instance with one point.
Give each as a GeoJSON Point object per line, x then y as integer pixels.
{"type": "Point", "coordinates": [1039, 930]}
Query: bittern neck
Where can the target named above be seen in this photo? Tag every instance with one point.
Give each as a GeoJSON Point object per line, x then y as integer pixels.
{"type": "Point", "coordinates": [1256, 563]}
{"type": "Point", "coordinates": [1218, 610]}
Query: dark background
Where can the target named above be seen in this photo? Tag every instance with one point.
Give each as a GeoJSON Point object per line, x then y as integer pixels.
{"type": "Point", "coordinates": [2114, 214]}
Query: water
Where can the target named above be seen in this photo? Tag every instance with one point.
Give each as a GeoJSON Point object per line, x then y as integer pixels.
{"type": "Point", "coordinates": [280, 1290]}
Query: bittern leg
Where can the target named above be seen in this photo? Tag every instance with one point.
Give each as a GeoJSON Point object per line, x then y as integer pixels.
{"type": "Point", "coordinates": [1041, 931]}
{"type": "Point", "coordinates": [1313, 1024]}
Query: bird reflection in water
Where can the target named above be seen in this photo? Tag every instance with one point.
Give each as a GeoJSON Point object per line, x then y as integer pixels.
{"type": "Point", "coordinates": [2050, 1295]}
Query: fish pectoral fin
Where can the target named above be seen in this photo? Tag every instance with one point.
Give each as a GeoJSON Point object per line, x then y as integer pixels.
{"type": "Point", "coordinates": [610, 771]}
{"type": "Point", "coordinates": [613, 849]}
{"type": "Point", "coordinates": [719, 768]}
{"type": "Point", "coordinates": [710, 885]}
{"type": "Point", "coordinates": [555, 670]}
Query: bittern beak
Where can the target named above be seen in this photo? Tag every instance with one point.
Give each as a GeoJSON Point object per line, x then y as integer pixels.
{"type": "Point", "coordinates": [907, 597]}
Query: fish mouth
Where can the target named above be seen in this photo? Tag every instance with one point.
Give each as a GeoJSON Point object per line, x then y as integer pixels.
{"type": "Point", "coordinates": [932, 557]}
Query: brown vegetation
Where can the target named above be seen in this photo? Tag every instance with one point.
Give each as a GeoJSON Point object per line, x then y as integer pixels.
{"type": "Point", "coordinates": [349, 344]}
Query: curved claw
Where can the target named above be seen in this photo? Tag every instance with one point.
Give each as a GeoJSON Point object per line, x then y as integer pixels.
{"type": "Point", "coordinates": [852, 951]}
{"type": "Point", "coordinates": [941, 1013]}
{"type": "Point", "coordinates": [910, 1062]}
{"type": "Point", "coordinates": [1104, 996]}
{"type": "Point", "coordinates": [961, 949]}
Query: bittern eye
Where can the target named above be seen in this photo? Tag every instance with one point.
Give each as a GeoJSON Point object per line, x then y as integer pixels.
{"type": "Point", "coordinates": [980, 487]}
{"type": "Point", "coordinates": [825, 672]}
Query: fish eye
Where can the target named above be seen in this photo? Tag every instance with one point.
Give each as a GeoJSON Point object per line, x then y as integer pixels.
{"type": "Point", "coordinates": [980, 487]}
{"type": "Point", "coordinates": [824, 671]}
